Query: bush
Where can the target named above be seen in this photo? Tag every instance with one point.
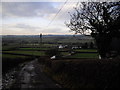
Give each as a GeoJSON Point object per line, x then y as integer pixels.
{"type": "Point", "coordinates": [53, 52]}
{"type": "Point", "coordinates": [87, 73]}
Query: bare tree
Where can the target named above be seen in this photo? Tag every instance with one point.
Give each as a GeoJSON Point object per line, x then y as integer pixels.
{"type": "Point", "coordinates": [100, 19]}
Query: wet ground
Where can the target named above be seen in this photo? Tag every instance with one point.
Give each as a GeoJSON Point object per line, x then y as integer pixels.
{"type": "Point", "coordinates": [32, 76]}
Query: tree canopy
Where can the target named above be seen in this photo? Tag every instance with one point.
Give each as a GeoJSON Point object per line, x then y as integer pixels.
{"type": "Point", "coordinates": [100, 19]}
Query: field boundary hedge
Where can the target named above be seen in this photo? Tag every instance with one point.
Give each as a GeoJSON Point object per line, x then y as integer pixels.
{"type": "Point", "coordinates": [84, 73]}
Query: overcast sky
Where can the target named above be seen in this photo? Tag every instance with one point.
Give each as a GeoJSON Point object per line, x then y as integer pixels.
{"type": "Point", "coordinates": [32, 18]}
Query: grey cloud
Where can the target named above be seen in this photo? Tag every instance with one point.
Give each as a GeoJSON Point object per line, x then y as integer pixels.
{"type": "Point", "coordinates": [34, 29]}
{"type": "Point", "coordinates": [28, 27]}
{"type": "Point", "coordinates": [27, 9]}
{"type": "Point", "coordinates": [64, 15]}
{"type": "Point", "coordinates": [56, 29]}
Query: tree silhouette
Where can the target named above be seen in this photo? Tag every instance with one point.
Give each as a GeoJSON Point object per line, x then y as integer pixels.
{"type": "Point", "coordinates": [100, 19]}
{"type": "Point", "coordinates": [91, 45]}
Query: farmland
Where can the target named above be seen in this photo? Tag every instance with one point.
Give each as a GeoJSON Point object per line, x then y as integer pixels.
{"type": "Point", "coordinates": [86, 50]}
{"type": "Point", "coordinates": [12, 56]}
{"type": "Point", "coordinates": [41, 52]}
{"type": "Point", "coordinates": [34, 53]}
{"type": "Point", "coordinates": [31, 49]}
{"type": "Point", "coordinates": [84, 55]}
{"type": "Point", "coordinates": [26, 47]}
{"type": "Point", "coordinates": [76, 66]}
{"type": "Point", "coordinates": [29, 45]}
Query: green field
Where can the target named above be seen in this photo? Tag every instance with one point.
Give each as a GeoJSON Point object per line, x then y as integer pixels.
{"type": "Point", "coordinates": [84, 55]}
{"type": "Point", "coordinates": [33, 51]}
{"type": "Point", "coordinates": [9, 47]}
{"type": "Point", "coordinates": [38, 45]}
{"type": "Point", "coordinates": [49, 45]}
{"type": "Point", "coordinates": [65, 53]}
{"type": "Point", "coordinates": [33, 48]}
{"type": "Point", "coordinates": [36, 50]}
{"type": "Point", "coordinates": [13, 56]}
{"type": "Point", "coordinates": [36, 53]}
{"type": "Point", "coordinates": [86, 50]}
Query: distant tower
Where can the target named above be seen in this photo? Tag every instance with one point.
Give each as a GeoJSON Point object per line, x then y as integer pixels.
{"type": "Point", "coordinates": [40, 38]}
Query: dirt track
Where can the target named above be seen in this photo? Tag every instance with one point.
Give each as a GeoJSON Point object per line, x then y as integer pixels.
{"type": "Point", "coordinates": [32, 76]}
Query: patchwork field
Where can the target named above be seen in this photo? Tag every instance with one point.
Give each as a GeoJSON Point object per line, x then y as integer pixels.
{"type": "Point", "coordinates": [84, 55]}
{"type": "Point", "coordinates": [35, 50]}
{"type": "Point", "coordinates": [74, 68]}
{"type": "Point", "coordinates": [32, 53]}
{"type": "Point", "coordinates": [86, 50]}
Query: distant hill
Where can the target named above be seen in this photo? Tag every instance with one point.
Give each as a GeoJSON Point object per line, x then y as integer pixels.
{"type": "Point", "coordinates": [82, 36]}
{"type": "Point", "coordinates": [47, 38]}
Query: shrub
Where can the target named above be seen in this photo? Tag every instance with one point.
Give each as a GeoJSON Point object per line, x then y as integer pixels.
{"type": "Point", "coordinates": [53, 52]}
{"type": "Point", "coordinates": [90, 73]}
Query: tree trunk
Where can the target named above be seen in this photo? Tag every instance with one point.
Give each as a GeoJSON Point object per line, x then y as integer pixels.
{"type": "Point", "coordinates": [103, 45]}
